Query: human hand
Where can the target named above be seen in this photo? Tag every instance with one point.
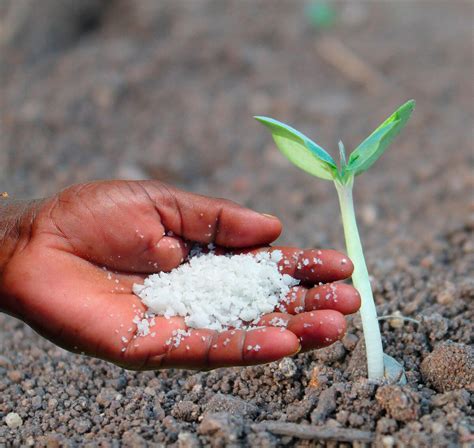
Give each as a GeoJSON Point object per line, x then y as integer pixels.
{"type": "Point", "coordinates": [71, 274]}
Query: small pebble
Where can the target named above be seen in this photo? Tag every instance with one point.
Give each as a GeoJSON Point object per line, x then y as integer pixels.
{"type": "Point", "coordinates": [13, 420]}
{"type": "Point", "coordinates": [287, 367]}
{"type": "Point", "coordinates": [15, 376]}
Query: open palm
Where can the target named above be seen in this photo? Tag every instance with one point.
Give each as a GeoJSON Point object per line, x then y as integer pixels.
{"type": "Point", "coordinates": [72, 280]}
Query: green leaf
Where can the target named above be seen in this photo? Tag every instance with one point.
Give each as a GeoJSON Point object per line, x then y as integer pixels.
{"type": "Point", "coordinates": [300, 150]}
{"type": "Point", "coordinates": [367, 153]}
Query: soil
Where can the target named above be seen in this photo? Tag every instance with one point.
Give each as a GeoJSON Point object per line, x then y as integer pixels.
{"type": "Point", "coordinates": [137, 89]}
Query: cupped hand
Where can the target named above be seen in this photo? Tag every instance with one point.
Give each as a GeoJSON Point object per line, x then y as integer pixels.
{"type": "Point", "coordinates": [72, 278]}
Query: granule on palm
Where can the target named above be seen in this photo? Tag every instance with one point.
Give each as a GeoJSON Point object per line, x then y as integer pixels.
{"type": "Point", "coordinates": [218, 292]}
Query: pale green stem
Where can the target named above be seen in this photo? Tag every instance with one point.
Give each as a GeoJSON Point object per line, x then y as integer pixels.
{"type": "Point", "coordinates": [361, 281]}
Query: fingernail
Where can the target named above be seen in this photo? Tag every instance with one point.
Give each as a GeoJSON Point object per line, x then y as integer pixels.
{"type": "Point", "coordinates": [269, 216]}
{"type": "Point", "coordinates": [298, 350]}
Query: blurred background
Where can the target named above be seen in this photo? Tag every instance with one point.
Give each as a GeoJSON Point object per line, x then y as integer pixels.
{"type": "Point", "coordinates": [99, 89]}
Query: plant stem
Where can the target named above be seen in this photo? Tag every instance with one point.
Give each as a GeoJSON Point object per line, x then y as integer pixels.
{"type": "Point", "coordinates": [361, 281]}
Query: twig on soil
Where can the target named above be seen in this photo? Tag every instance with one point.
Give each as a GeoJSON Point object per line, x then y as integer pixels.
{"type": "Point", "coordinates": [309, 432]}
{"type": "Point", "coordinates": [350, 64]}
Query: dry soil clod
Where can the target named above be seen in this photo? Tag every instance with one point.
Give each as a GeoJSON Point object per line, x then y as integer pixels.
{"type": "Point", "coordinates": [400, 402]}
{"type": "Point", "coordinates": [450, 366]}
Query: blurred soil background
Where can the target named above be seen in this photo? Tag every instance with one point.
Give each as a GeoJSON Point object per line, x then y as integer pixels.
{"type": "Point", "coordinates": [101, 89]}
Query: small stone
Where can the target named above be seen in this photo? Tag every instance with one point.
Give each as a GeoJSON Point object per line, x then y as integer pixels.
{"type": "Point", "coordinates": [331, 354]}
{"type": "Point", "coordinates": [82, 425]}
{"type": "Point", "coordinates": [436, 325]}
{"type": "Point", "coordinates": [400, 402]}
{"type": "Point", "coordinates": [314, 381]}
{"type": "Point", "coordinates": [222, 424]}
{"type": "Point", "coordinates": [106, 396]}
{"type": "Point", "coordinates": [132, 439]}
{"type": "Point", "coordinates": [386, 425]}
{"type": "Point", "coordinates": [287, 367]}
{"type": "Point", "coordinates": [447, 295]}
{"type": "Point", "coordinates": [186, 410]}
{"type": "Point", "coordinates": [298, 410]}
{"type": "Point", "coordinates": [50, 441]}
{"type": "Point", "coordinates": [468, 247]}
{"type": "Point", "coordinates": [458, 398]}
{"type": "Point", "coordinates": [450, 366]}
{"type": "Point", "coordinates": [232, 405]}
{"type": "Point", "coordinates": [369, 214]}
{"type": "Point", "coordinates": [15, 376]}
{"type": "Point", "coordinates": [188, 440]}
{"type": "Point", "coordinates": [388, 441]}
{"type": "Point", "coordinates": [36, 403]}
{"type": "Point", "coordinates": [350, 341]}
{"type": "Point", "coordinates": [120, 383]}
{"type": "Point", "coordinates": [150, 391]}
{"type": "Point", "coordinates": [427, 262]}
{"type": "Point", "coordinates": [397, 320]}
{"type": "Point", "coordinates": [356, 420]}
{"type": "Point", "coordinates": [170, 423]}
{"type": "Point", "coordinates": [342, 416]}
{"type": "Point", "coordinates": [13, 420]}
{"type": "Point", "coordinates": [4, 361]}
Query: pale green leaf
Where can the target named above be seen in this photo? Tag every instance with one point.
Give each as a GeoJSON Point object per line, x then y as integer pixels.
{"type": "Point", "coordinates": [300, 150]}
{"type": "Point", "coordinates": [367, 153]}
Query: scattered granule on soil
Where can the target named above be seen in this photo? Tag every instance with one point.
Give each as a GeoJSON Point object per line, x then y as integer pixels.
{"type": "Point", "coordinates": [218, 292]}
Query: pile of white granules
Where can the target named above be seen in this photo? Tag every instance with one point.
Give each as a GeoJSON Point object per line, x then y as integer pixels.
{"type": "Point", "coordinates": [218, 291]}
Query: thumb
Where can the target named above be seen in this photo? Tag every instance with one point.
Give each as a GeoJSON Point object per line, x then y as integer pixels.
{"type": "Point", "coordinates": [203, 219]}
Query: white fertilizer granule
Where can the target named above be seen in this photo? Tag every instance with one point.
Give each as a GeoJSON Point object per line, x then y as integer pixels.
{"type": "Point", "coordinates": [218, 291]}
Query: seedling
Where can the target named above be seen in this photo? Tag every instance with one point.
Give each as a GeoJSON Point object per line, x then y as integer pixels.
{"type": "Point", "coordinates": [313, 159]}
{"type": "Point", "coordinates": [321, 14]}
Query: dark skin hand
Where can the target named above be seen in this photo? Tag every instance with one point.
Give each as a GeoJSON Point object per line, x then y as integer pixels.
{"type": "Point", "coordinates": [68, 264]}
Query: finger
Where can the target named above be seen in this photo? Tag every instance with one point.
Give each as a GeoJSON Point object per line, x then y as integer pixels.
{"type": "Point", "coordinates": [151, 254]}
{"type": "Point", "coordinates": [206, 349]}
{"type": "Point", "coordinates": [168, 253]}
{"type": "Point", "coordinates": [203, 219]}
{"type": "Point", "coordinates": [314, 329]}
{"type": "Point", "coordinates": [136, 341]}
{"type": "Point", "coordinates": [152, 341]}
{"type": "Point", "coordinates": [275, 320]}
{"type": "Point", "coordinates": [168, 342]}
{"type": "Point", "coordinates": [294, 302]}
{"type": "Point", "coordinates": [333, 296]}
{"type": "Point", "coordinates": [317, 329]}
{"type": "Point", "coordinates": [312, 265]}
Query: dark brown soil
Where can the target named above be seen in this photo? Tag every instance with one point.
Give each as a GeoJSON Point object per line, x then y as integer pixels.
{"type": "Point", "coordinates": [121, 88]}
